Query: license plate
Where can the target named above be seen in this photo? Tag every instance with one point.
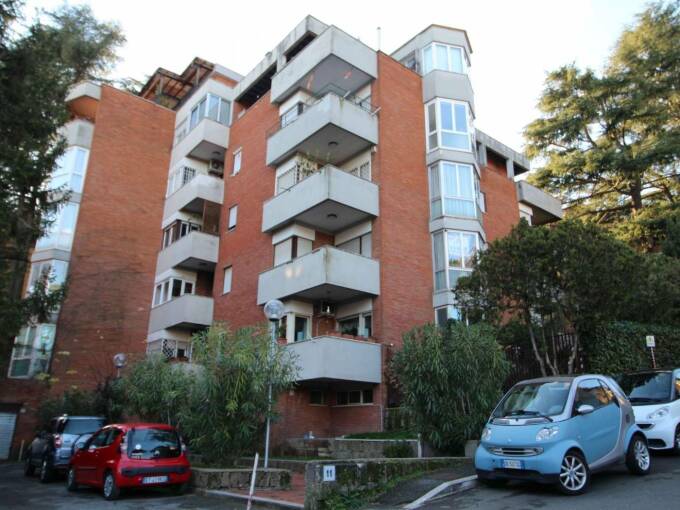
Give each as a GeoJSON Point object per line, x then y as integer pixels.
{"type": "Point", "coordinates": [512, 464]}
{"type": "Point", "coordinates": [154, 479]}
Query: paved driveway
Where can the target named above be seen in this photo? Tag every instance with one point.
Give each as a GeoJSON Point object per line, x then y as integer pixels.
{"type": "Point", "coordinates": [17, 491]}
{"type": "Point", "coordinates": [614, 489]}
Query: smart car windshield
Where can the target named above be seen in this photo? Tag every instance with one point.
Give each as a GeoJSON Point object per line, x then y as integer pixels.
{"type": "Point", "coordinates": [541, 399]}
{"type": "Point", "coordinates": [647, 387]}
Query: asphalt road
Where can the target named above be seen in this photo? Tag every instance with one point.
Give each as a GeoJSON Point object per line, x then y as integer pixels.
{"type": "Point", "coordinates": [17, 491]}
{"type": "Point", "coordinates": [613, 489]}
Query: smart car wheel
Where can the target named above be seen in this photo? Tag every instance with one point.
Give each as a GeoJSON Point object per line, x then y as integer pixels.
{"type": "Point", "coordinates": [71, 484]}
{"type": "Point", "coordinates": [111, 490]}
{"type": "Point", "coordinates": [29, 468]}
{"type": "Point", "coordinates": [638, 460]}
{"type": "Point", "coordinates": [574, 474]}
{"type": "Point", "coordinates": [46, 470]}
{"type": "Point", "coordinates": [676, 445]}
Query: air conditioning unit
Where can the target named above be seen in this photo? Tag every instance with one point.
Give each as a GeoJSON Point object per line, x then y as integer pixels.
{"type": "Point", "coordinates": [216, 167]}
{"type": "Point", "coordinates": [324, 309]}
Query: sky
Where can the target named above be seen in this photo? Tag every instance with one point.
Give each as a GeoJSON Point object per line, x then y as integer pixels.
{"type": "Point", "coordinates": [514, 42]}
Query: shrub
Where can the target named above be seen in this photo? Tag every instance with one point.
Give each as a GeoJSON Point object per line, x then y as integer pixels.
{"type": "Point", "coordinates": [620, 347]}
{"type": "Point", "coordinates": [450, 379]}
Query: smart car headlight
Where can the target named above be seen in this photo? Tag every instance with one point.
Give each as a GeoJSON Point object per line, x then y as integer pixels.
{"type": "Point", "coordinates": [486, 434]}
{"type": "Point", "coordinates": [658, 414]}
{"type": "Point", "coordinates": [546, 433]}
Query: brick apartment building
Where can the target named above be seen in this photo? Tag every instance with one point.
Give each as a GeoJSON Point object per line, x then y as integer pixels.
{"type": "Point", "coordinates": [350, 184]}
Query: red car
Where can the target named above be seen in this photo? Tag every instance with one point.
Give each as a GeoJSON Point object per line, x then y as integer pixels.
{"type": "Point", "coordinates": [130, 455]}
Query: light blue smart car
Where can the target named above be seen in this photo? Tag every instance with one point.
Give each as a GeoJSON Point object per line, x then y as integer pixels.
{"type": "Point", "coordinates": [559, 430]}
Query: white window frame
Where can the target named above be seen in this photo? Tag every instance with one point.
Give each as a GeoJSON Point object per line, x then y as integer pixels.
{"type": "Point", "coordinates": [47, 266]}
{"type": "Point", "coordinates": [162, 291]}
{"type": "Point", "coordinates": [438, 168]}
{"type": "Point", "coordinates": [66, 169]}
{"type": "Point", "coordinates": [308, 327]}
{"type": "Point", "coordinates": [361, 330]}
{"type": "Point", "coordinates": [179, 178]}
{"type": "Point", "coordinates": [438, 123]}
{"type": "Point", "coordinates": [444, 66]}
{"type": "Point", "coordinates": [451, 313]}
{"type": "Point", "coordinates": [58, 235]}
{"type": "Point", "coordinates": [365, 239]}
{"type": "Point", "coordinates": [229, 270]}
{"type": "Point", "coordinates": [205, 100]}
{"type": "Point", "coordinates": [23, 351]}
{"type": "Point", "coordinates": [236, 167]}
{"type": "Point", "coordinates": [447, 267]}
{"type": "Point", "coordinates": [232, 217]}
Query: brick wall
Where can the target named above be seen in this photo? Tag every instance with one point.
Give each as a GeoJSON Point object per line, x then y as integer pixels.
{"type": "Point", "coordinates": [502, 211]}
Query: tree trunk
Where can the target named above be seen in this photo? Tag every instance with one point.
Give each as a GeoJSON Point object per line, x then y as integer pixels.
{"type": "Point", "coordinates": [636, 195]}
{"type": "Point", "coordinates": [537, 354]}
{"type": "Point", "coordinates": [572, 356]}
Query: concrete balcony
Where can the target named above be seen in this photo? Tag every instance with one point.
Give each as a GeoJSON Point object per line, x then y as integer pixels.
{"type": "Point", "coordinates": [329, 200]}
{"type": "Point", "coordinates": [448, 85]}
{"type": "Point", "coordinates": [328, 358]}
{"type": "Point", "coordinates": [545, 208]}
{"type": "Point", "coordinates": [196, 251]}
{"type": "Point", "coordinates": [191, 196]}
{"type": "Point", "coordinates": [333, 58]}
{"type": "Point", "coordinates": [332, 130]}
{"type": "Point", "coordinates": [326, 273]}
{"type": "Point", "coordinates": [208, 140]}
{"type": "Point", "coordinates": [188, 312]}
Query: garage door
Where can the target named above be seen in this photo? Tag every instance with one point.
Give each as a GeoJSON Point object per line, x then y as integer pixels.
{"type": "Point", "coordinates": [7, 421]}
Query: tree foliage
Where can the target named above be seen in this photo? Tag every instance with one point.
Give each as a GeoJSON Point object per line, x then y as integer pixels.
{"type": "Point", "coordinates": [39, 63]}
{"type": "Point", "coordinates": [450, 379]}
{"type": "Point", "coordinates": [551, 279]}
{"type": "Point", "coordinates": [610, 141]}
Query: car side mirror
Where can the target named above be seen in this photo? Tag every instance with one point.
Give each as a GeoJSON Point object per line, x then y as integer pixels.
{"type": "Point", "coordinates": [585, 409]}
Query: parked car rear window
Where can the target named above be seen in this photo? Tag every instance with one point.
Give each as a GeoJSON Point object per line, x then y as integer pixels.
{"type": "Point", "coordinates": [153, 444]}
{"type": "Point", "coordinates": [81, 426]}
{"type": "Point", "coordinates": [647, 388]}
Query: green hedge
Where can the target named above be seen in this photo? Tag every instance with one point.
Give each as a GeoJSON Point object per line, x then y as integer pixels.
{"type": "Point", "coordinates": [620, 347]}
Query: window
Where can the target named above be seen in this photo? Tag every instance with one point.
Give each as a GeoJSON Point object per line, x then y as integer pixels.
{"type": "Point", "coordinates": [237, 162]}
{"type": "Point", "coordinates": [354, 397]}
{"type": "Point", "coordinates": [357, 325]}
{"type": "Point", "coordinates": [233, 213]}
{"type": "Point", "coordinates": [52, 272]}
{"type": "Point", "coordinates": [590, 392]}
{"type": "Point", "coordinates": [32, 350]}
{"type": "Point", "coordinates": [454, 189]}
{"type": "Point", "coordinates": [226, 282]}
{"type": "Point", "coordinates": [292, 114]}
{"type": "Point", "coordinates": [211, 107]}
{"type": "Point", "coordinates": [179, 177]}
{"type": "Point", "coordinates": [359, 245]}
{"type": "Point", "coordinates": [181, 131]}
{"type": "Point", "coordinates": [178, 230]}
{"type": "Point", "coordinates": [291, 248]}
{"type": "Point", "coordinates": [61, 230]}
{"type": "Point", "coordinates": [170, 289]}
{"type": "Point", "coordinates": [301, 328]}
{"type": "Point", "coordinates": [444, 313]}
{"type": "Point", "coordinates": [70, 170]}
{"type": "Point", "coordinates": [363, 170]}
{"type": "Point", "coordinates": [444, 58]}
{"type": "Point", "coordinates": [454, 255]}
{"type": "Point", "coordinates": [448, 125]}
{"type": "Point", "coordinates": [317, 397]}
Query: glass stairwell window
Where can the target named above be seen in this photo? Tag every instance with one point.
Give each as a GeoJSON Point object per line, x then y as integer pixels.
{"type": "Point", "coordinates": [211, 107]}
{"type": "Point", "coordinates": [454, 190]}
{"type": "Point", "coordinates": [444, 57]}
{"type": "Point", "coordinates": [69, 173]}
{"type": "Point", "coordinates": [454, 256]}
{"type": "Point", "coordinates": [449, 125]}
{"type": "Point", "coordinates": [62, 228]}
{"type": "Point", "coordinates": [32, 351]}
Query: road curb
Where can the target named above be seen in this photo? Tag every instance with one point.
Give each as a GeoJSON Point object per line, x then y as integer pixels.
{"type": "Point", "coordinates": [268, 502]}
{"type": "Point", "coordinates": [445, 489]}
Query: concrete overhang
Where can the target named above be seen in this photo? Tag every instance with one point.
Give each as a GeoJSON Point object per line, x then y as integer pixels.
{"type": "Point", "coordinates": [329, 200]}
{"type": "Point", "coordinates": [328, 358]}
{"type": "Point", "coordinates": [332, 59]}
{"type": "Point", "coordinates": [196, 251]}
{"type": "Point", "coordinates": [326, 273]}
{"type": "Point", "coordinates": [545, 208]}
{"type": "Point", "coordinates": [188, 312]}
{"type": "Point", "coordinates": [208, 140]}
{"type": "Point", "coordinates": [191, 196]}
{"type": "Point", "coordinates": [331, 130]}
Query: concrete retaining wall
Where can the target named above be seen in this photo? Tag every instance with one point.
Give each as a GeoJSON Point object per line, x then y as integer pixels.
{"type": "Point", "coordinates": [368, 448]}
{"type": "Point", "coordinates": [216, 478]}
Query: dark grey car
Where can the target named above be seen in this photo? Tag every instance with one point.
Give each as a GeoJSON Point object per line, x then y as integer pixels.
{"type": "Point", "coordinates": [52, 449]}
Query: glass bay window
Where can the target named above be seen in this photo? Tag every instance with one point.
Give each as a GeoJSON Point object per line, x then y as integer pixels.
{"type": "Point", "coordinates": [454, 190]}
{"type": "Point", "coordinates": [444, 57]}
{"type": "Point", "coordinates": [454, 256]}
{"type": "Point", "coordinates": [449, 125]}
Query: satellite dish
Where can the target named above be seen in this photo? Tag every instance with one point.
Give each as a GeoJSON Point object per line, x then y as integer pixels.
{"type": "Point", "coordinates": [120, 360]}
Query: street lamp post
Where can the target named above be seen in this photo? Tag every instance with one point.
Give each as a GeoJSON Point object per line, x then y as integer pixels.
{"type": "Point", "coordinates": [119, 361]}
{"type": "Point", "coordinates": [273, 310]}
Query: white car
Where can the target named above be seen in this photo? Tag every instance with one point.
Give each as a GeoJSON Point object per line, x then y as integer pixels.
{"type": "Point", "coordinates": [655, 395]}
